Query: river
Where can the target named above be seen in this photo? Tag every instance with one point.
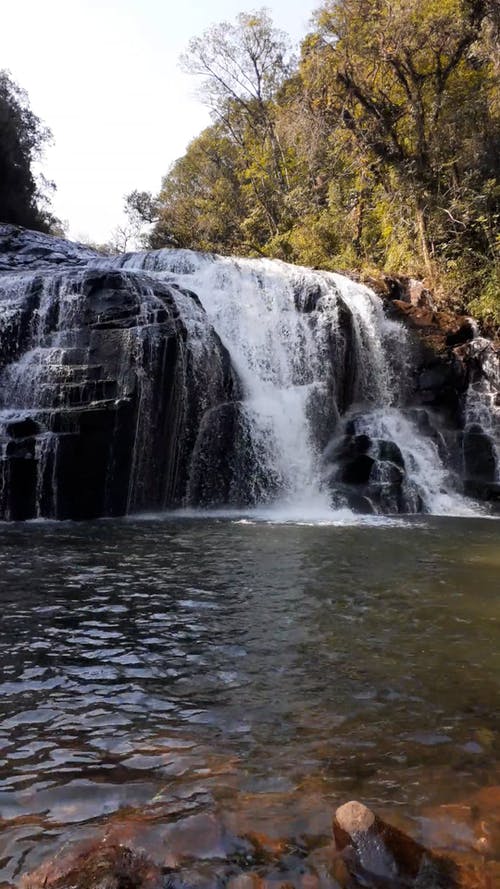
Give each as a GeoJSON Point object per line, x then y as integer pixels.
{"type": "Point", "coordinates": [255, 671]}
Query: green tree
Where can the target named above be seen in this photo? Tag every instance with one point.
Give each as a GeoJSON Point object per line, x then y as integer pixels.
{"type": "Point", "coordinates": [405, 81]}
{"type": "Point", "coordinates": [380, 148]}
{"type": "Point", "coordinates": [242, 67]}
{"type": "Point", "coordinates": [23, 199]}
{"type": "Point", "coordinates": [201, 205]}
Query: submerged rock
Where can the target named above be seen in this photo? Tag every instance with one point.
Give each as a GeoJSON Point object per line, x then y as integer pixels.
{"type": "Point", "coordinates": [202, 852]}
{"type": "Point", "coordinates": [97, 866]}
{"type": "Point", "coordinates": [380, 856]}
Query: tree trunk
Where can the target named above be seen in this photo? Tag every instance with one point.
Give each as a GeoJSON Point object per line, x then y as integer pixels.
{"type": "Point", "coordinates": [424, 241]}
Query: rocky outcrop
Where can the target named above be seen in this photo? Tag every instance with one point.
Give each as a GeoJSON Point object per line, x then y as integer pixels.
{"type": "Point", "coordinates": [377, 855]}
{"type": "Point", "coordinates": [22, 250]}
{"type": "Point", "coordinates": [117, 394]}
{"type": "Point", "coordinates": [457, 381]}
{"type": "Point", "coordinates": [100, 397]}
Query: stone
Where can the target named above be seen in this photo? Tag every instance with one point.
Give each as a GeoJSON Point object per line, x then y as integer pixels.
{"type": "Point", "coordinates": [245, 881]}
{"type": "Point", "coordinates": [22, 428]}
{"type": "Point", "coordinates": [388, 450]}
{"type": "Point", "coordinates": [354, 818]}
{"type": "Point", "coordinates": [380, 856]}
{"type": "Point", "coordinates": [101, 409]}
{"type": "Point", "coordinates": [200, 836]}
{"type": "Point", "coordinates": [464, 332]}
{"type": "Point", "coordinates": [479, 455]}
{"type": "Point", "coordinates": [96, 866]}
{"type": "Point", "coordinates": [357, 471]}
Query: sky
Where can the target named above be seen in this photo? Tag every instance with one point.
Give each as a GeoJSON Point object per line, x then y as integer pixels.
{"type": "Point", "coordinates": [104, 76]}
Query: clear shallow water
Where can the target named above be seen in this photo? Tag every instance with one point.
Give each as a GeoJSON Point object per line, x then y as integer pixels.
{"type": "Point", "coordinates": [260, 671]}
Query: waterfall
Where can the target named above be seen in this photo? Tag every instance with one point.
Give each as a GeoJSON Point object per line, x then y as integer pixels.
{"type": "Point", "coordinates": [315, 351]}
{"type": "Point", "coordinates": [105, 376]}
{"type": "Point", "coordinates": [170, 379]}
{"type": "Point", "coordinates": [482, 403]}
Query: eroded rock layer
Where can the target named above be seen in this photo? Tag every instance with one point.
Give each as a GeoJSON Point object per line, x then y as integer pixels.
{"type": "Point", "coordinates": [102, 387]}
{"type": "Point", "coordinates": [159, 380]}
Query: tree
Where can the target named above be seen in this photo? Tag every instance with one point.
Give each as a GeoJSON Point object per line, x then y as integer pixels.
{"type": "Point", "coordinates": [381, 148]}
{"type": "Point", "coordinates": [402, 78]}
{"type": "Point", "coordinates": [243, 66]}
{"type": "Point", "coordinates": [201, 204]}
{"type": "Point", "coordinates": [23, 200]}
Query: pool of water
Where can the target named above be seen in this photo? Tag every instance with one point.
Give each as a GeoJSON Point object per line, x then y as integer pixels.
{"type": "Point", "coordinates": [255, 672]}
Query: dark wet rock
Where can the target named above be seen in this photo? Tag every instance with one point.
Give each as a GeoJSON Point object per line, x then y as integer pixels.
{"type": "Point", "coordinates": [369, 475]}
{"type": "Point", "coordinates": [22, 428]}
{"type": "Point", "coordinates": [387, 473]}
{"type": "Point", "coordinates": [358, 470]}
{"type": "Point", "coordinates": [481, 490]}
{"type": "Point", "coordinates": [100, 400]}
{"type": "Point", "coordinates": [225, 468]}
{"type": "Point", "coordinates": [388, 450]}
{"type": "Point", "coordinates": [22, 249]}
{"type": "Point", "coordinates": [480, 462]}
{"type": "Point", "coordinates": [307, 297]}
{"type": "Point", "coordinates": [202, 836]}
{"type": "Point", "coordinates": [359, 444]}
{"type": "Point", "coordinates": [442, 384]}
{"type": "Point", "coordinates": [464, 332]}
{"type": "Point", "coordinates": [351, 496]}
{"type": "Point", "coordinates": [345, 359]}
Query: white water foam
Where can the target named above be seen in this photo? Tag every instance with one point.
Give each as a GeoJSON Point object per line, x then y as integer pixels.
{"type": "Point", "coordinates": [281, 349]}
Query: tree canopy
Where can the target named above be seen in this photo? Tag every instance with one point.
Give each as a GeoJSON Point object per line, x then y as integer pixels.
{"type": "Point", "coordinates": [23, 199]}
{"type": "Point", "coordinates": [379, 146]}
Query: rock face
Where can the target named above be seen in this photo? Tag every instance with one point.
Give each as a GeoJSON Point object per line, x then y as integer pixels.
{"type": "Point", "coordinates": [457, 382]}
{"type": "Point", "coordinates": [101, 400]}
{"type": "Point", "coordinates": [118, 393]}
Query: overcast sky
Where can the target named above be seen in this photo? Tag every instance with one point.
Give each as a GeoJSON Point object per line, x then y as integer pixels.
{"type": "Point", "coordinates": [104, 76]}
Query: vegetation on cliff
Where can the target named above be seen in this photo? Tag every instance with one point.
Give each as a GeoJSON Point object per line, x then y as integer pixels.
{"type": "Point", "coordinates": [378, 147]}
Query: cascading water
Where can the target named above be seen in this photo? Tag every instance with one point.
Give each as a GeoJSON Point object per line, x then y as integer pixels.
{"type": "Point", "coordinates": [482, 407]}
{"type": "Point", "coordinates": [99, 399]}
{"type": "Point", "coordinates": [310, 347]}
{"type": "Point", "coordinates": [167, 379]}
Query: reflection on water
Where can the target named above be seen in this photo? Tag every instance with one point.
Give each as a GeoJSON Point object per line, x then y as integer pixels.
{"type": "Point", "coordinates": [258, 671]}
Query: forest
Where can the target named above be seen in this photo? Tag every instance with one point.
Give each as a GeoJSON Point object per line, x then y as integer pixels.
{"type": "Point", "coordinates": [376, 149]}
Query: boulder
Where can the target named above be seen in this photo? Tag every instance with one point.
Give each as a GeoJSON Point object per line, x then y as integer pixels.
{"type": "Point", "coordinates": [380, 856]}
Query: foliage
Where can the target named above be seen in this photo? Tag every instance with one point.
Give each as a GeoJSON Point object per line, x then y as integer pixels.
{"type": "Point", "coordinates": [23, 199]}
{"type": "Point", "coordinates": [380, 146]}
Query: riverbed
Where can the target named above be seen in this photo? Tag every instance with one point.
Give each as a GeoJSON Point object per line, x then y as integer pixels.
{"type": "Point", "coordinates": [257, 673]}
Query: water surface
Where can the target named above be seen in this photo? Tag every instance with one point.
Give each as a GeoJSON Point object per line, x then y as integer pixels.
{"type": "Point", "coordinates": [262, 672]}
